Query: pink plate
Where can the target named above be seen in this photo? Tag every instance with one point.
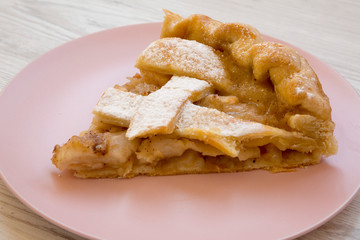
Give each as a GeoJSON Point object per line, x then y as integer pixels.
{"type": "Point", "coordinates": [52, 99]}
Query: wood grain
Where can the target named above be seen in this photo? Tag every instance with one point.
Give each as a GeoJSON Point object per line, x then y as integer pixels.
{"type": "Point", "coordinates": [329, 30]}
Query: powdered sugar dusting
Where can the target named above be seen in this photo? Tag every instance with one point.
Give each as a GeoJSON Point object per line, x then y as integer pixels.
{"type": "Point", "coordinates": [118, 104]}
{"type": "Point", "coordinates": [214, 121]}
{"type": "Point", "coordinates": [299, 90]}
{"type": "Point", "coordinates": [306, 84]}
{"type": "Point", "coordinates": [187, 84]}
{"type": "Point", "coordinates": [158, 110]}
{"type": "Point", "coordinates": [189, 57]}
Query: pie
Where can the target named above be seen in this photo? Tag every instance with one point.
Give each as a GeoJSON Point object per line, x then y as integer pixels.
{"type": "Point", "coordinates": [209, 97]}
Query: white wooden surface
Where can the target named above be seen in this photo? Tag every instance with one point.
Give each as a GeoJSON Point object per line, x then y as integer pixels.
{"type": "Point", "coordinates": [329, 30]}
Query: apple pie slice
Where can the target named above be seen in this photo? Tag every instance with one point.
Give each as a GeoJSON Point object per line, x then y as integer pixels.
{"type": "Point", "coordinates": [210, 97]}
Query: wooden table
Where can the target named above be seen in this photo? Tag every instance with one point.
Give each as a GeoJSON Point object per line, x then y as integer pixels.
{"type": "Point", "coordinates": [329, 30]}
